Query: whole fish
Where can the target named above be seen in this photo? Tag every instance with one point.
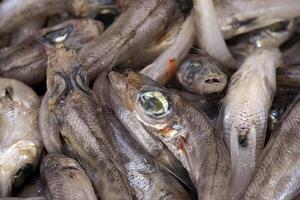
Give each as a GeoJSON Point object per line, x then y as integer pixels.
{"type": "Point", "coordinates": [277, 175]}
{"type": "Point", "coordinates": [139, 25]}
{"type": "Point", "coordinates": [150, 143]}
{"type": "Point", "coordinates": [73, 109]}
{"type": "Point", "coordinates": [13, 13]}
{"type": "Point", "coordinates": [65, 179]}
{"type": "Point", "coordinates": [20, 141]}
{"type": "Point", "coordinates": [186, 131]}
{"type": "Point", "coordinates": [244, 114]}
{"type": "Point", "coordinates": [201, 74]}
{"type": "Point", "coordinates": [27, 62]}
{"type": "Point", "coordinates": [144, 176]}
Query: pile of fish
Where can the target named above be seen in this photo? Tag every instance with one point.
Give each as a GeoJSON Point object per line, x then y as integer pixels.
{"type": "Point", "coordinates": [150, 99]}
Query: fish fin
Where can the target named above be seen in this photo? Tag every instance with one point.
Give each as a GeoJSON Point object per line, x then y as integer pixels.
{"type": "Point", "coordinates": [171, 164]}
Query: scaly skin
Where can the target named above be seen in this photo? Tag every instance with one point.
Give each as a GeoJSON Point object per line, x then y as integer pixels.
{"type": "Point", "coordinates": [186, 131]}
{"type": "Point", "coordinates": [65, 179]}
{"type": "Point", "coordinates": [277, 176]}
{"type": "Point", "coordinates": [20, 141]}
{"type": "Point", "coordinates": [27, 62]}
{"type": "Point", "coordinates": [244, 114]}
{"type": "Point", "coordinates": [72, 104]}
{"type": "Point", "coordinates": [148, 181]}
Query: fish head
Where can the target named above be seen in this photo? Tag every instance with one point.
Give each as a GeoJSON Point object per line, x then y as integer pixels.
{"type": "Point", "coordinates": [16, 93]}
{"type": "Point", "coordinates": [202, 75]}
{"type": "Point", "coordinates": [65, 76]}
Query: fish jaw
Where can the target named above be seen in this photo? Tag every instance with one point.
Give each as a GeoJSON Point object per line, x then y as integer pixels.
{"type": "Point", "coordinates": [24, 152]}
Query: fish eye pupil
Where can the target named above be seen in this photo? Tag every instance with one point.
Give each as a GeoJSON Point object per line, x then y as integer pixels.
{"type": "Point", "coordinates": [152, 103]}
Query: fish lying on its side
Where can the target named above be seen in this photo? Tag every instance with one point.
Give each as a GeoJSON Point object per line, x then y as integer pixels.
{"type": "Point", "coordinates": [65, 179]}
{"type": "Point", "coordinates": [186, 131]}
{"type": "Point", "coordinates": [20, 141]}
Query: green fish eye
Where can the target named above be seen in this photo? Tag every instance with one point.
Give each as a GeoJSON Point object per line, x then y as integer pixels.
{"type": "Point", "coordinates": [154, 103]}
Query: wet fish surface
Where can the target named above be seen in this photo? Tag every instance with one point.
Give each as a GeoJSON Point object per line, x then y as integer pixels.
{"type": "Point", "coordinates": [277, 175]}
{"type": "Point", "coordinates": [244, 114]}
{"type": "Point", "coordinates": [65, 179]}
{"type": "Point", "coordinates": [20, 141]}
{"type": "Point", "coordinates": [186, 131]}
{"type": "Point", "coordinates": [72, 105]}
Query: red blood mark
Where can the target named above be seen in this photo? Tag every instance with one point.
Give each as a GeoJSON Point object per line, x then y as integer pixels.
{"type": "Point", "coordinates": [171, 68]}
{"type": "Point", "coordinates": [181, 145]}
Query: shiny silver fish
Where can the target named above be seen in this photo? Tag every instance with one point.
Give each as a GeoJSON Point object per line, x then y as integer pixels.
{"type": "Point", "coordinates": [244, 114]}
{"type": "Point", "coordinates": [186, 131]}
{"type": "Point", "coordinates": [73, 110]}
{"type": "Point", "coordinates": [277, 175]}
{"type": "Point", "coordinates": [20, 140]}
{"type": "Point", "coordinates": [65, 179]}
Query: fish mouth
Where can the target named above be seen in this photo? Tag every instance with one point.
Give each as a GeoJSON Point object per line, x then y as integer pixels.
{"type": "Point", "coordinates": [212, 84]}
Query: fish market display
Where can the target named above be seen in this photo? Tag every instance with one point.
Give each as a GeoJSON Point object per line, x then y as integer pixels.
{"type": "Point", "coordinates": [149, 99]}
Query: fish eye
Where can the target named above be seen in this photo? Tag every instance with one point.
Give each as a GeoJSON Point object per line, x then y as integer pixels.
{"type": "Point", "coordinates": [154, 103]}
{"type": "Point", "coordinates": [21, 175]}
{"type": "Point", "coordinates": [58, 36]}
{"type": "Point", "coordinates": [56, 86]}
{"type": "Point", "coordinates": [191, 68]}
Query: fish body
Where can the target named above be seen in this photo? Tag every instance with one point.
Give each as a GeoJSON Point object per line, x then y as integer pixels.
{"type": "Point", "coordinates": [244, 113]}
{"type": "Point", "coordinates": [276, 176]}
{"type": "Point", "coordinates": [72, 105]}
{"type": "Point", "coordinates": [65, 179]}
{"type": "Point", "coordinates": [20, 143]}
{"type": "Point", "coordinates": [186, 131]}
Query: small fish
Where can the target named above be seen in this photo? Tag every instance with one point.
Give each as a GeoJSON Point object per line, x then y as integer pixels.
{"type": "Point", "coordinates": [201, 74]}
{"type": "Point", "coordinates": [65, 179]}
{"type": "Point", "coordinates": [145, 177]}
{"type": "Point", "coordinates": [244, 114]}
{"type": "Point", "coordinates": [27, 62]}
{"type": "Point", "coordinates": [20, 140]}
{"type": "Point", "coordinates": [186, 131]}
{"type": "Point", "coordinates": [139, 25]}
{"type": "Point", "coordinates": [277, 175]}
{"type": "Point", "coordinates": [73, 110]}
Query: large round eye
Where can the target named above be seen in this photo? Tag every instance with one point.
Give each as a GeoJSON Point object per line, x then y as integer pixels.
{"type": "Point", "coordinates": [21, 175]}
{"type": "Point", "coordinates": [56, 87]}
{"type": "Point", "coordinates": [191, 68]}
{"type": "Point", "coordinates": [154, 103]}
{"type": "Point", "coordinates": [81, 80]}
{"type": "Point", "coordinates": [58, 36]}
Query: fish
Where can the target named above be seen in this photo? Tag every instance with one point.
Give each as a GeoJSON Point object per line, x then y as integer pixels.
{"type": "Point", "coordinates": [163, 69]}
{"type": "Point", "coordinates": [276, 176]}
{"type": "Point", "coordinates": [273, 35]}
{"type": "Point", "coordinates": [244, 114]}
{"type": "Point", "coordinates": [27, 62]}
{"type": "Point", "coordinates": [201, 74]}
{"type": "Point", "coordinates": [150, 143]}
{"type": "Point", "coordinates": [144, 175]}
{"type": "Point", "coordinates": [20, 143]}
{"type": "Point", "coordinates": [139, 24]}
{"type": "Point", "coordinates": [13, 13]}
{"type": "Point", "coordinates": [74, 111]}
{"type": "Point", "coordinates": [288, 76]}
{"type": "Point", "coordinates": [236, 17]}
{"type": "Point", "coordinates": [186, 131]}
{"type": "Point", "coordinates": [65, 179]}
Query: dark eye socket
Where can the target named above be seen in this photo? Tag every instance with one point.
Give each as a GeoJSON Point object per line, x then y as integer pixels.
{"type": "Point", "coordinates": [8, 92]}
{"type": "Point", "coordinates": [58, 36]}
{"type": "Point", "coordinates": [191, 69]}
{"type": "Point", "coordinates": [21, 175]}
{"type": "Point", "coordinates": [155, 103]}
